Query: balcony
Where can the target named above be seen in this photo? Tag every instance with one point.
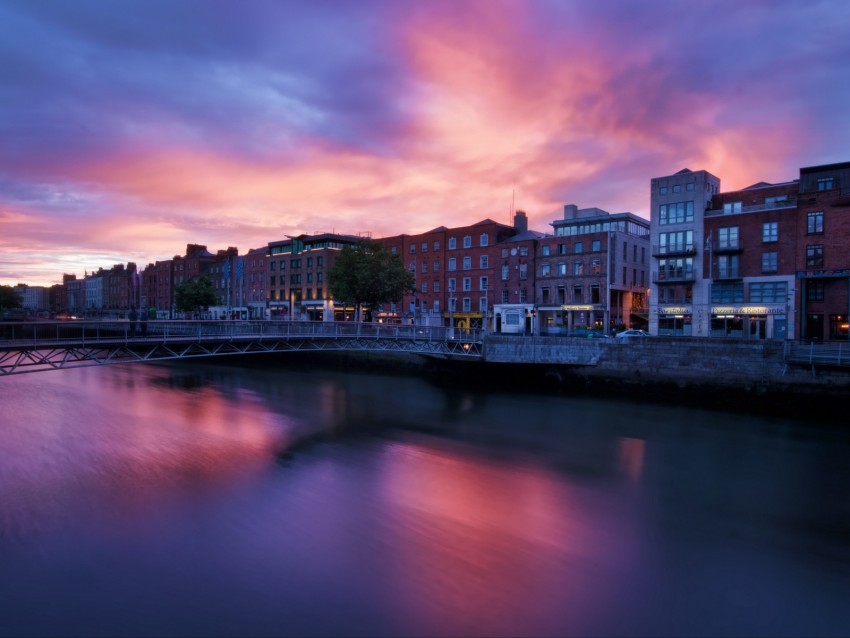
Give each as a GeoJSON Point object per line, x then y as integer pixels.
{"type": "Point", "coordinates": [728, 246]}
{"type": "Point", "coordinates": [727, 274]}
{"type": "Point", "coordinates": [673, 276]}
{"type": "Point", "coordinates": [674, 250]}
{"type": "Point", "coordinates": [755, 208]}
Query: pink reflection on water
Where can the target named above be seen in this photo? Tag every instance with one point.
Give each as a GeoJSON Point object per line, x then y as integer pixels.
{"type": "Point", "coordinates": [142, 444]}
{"type": "Point", "coordinates": [483, 542]}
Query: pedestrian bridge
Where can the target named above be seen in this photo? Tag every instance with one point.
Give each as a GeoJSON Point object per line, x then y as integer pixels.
{"type": "Point", "coordinates": [51, 345]}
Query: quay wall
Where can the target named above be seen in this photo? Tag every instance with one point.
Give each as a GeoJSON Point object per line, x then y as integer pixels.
{"type": "Point", "coordinates": [668, 360]}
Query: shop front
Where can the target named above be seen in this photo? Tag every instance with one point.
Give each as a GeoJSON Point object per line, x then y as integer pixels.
{"type": "Point", "coordinates": [675, 321]}
{"type": "Point", "coordinates": [750, 322]}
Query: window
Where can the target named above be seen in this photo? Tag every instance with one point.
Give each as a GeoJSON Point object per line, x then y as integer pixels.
{"type": "Point", "coordinates": [309, 278]}
{"type": "Point", "coordinates": [483, 283]}
{"type": "Point", "coordinates": [769, 262]}
{"type": "Point", "coordinates": [596, 246]}
{"type": "Point", "coordinates": [545, 250]}
{"type": "Point", "coordinates": [768, 292]}
{"type": "Point", "coordinates": [625, 250]}
{"type": "Point", "coordinates": [523, 271]}
{"type": "Point", "coordinates": [770, 232]}
{"type": "Point", "coordinates": [504, 253]}
{"type": "Point", "coordinates": [452, 263]}
{"type": "Point", "coordinates": [814, 223]}
{"type": "Point", "coordinates": [562, 249]}
{"type": "Point", "coordinates": [467, 241]}
{"type": "Point", "coordinates": [412, 248]}
{"type": "Point", "coordinates": [452, 281]}
{"type": "Point", "coordinates": [689, 186]}
{"type": "Point", "coordinates": [505, 272]}
{"type": "Point", "coordinates": [505, 296]}
{"type": "Point", "coordinates": [578, 295]}
{"type": "Point", "coordinates": [467, 304]}
{"type": "Point", "coordinates": [436, 266]}
{"type": "Point", "coordinates": [562, 269]}
{"type": "Point", "coordinates": [578, 268]}
{"type": "Point", "coordinates": [394, 250]}
{"type": "Point", "coordinates": [595, 266]}
{"type": "Point", "coordinates": [320, 261]}
{"type": "Point", "coordinates": [484, 240]}
{"type": "Point", "coordinates": [679, 213]}
{"type": "Point", "coordinates": [452, 304]}
{"type": "Point", "coordinates": [727, 267]}
{"type": "Point", "coordinates": [814, 291]}
{"type": "Point", "coordinates": [579, 247]}
{"type": "Point", "coordinates": [545, 270]}
{"type": "Point", "coordinates": [320, 277]}
{"type": "Point", "coordinates": [662, 190]}
{"type": "Point", "coordinates": [677, 188]}
{"type": "Point", "coordinates": [483, 261]}
{"type": "Point", "coordinates": [424, 286]}
{"type": "Point", "coordinates": [814, 255]}
{"type": "Point", "coordinates": [826, 183]}
{"type": "Point", "coordinates": [424, 267]}
{"type": "Point", "coordinates": [594, 294]}
{"type": "Point", "coordinates": [482, 304]}
{"type": "Point", "coordinates": [544, 295]}
{"type": "Point", "coordinates": [523, 251]}
{"type": "Point", "coordinates": [467, 263]}
{"type": "Point", "coordinates": [727, 237]}
{"type": "Point", "coordinates": [452, 243]}
{"type": "Point", "coordinates": [436, 285]}
{"type": "Point", "coordinates": [467, 283]}
{"type": "Point", "coordinates": [677, 242]}
{"type": "Point", "coordinates": [436, 246]}
{"type": "Point", "coordinates": [309, 262]}
{"type": "Point", "coordinates": [727, 293]}
{"type": "Point", "coordinates": [732, 207]}
{"type": "Point", "coordinates": [436, 306]}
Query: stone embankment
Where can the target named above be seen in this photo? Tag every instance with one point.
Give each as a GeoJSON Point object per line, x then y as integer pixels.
{"type": "Point", "coordinates": [754, 366]}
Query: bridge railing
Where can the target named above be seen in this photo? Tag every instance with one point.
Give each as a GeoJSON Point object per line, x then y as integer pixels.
{"type": "Point", "coordinates": [57, 333]}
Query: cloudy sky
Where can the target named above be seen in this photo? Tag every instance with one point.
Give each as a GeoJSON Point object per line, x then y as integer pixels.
{"type": "Point", "coordinates": [131, 128]}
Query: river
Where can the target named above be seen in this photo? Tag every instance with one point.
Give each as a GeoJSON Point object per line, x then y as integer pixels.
{"type": "Point", "coordinates": [219, 499]}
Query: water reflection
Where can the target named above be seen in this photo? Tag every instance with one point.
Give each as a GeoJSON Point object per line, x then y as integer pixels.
{"type": "Point", "coordinates": [213, 500]}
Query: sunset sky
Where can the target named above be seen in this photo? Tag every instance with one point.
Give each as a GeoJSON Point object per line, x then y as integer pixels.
{"type": "Point", "coordinates": [131, 128]}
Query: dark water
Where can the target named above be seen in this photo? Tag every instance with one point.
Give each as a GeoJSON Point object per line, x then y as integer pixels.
{"type": "Point", "coordinates": [216, 500]}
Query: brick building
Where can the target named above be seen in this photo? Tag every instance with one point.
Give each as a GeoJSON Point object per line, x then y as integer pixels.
{"type": "Point", "coordinates": [770, 261]}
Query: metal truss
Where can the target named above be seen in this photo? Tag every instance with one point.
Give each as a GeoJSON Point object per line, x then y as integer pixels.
{"type": "Point", "coordinates": [17, 359]}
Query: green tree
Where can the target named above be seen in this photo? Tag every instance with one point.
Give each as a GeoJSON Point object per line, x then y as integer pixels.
{"type": "Point", "coordinates": [368, 274]}
{"type": "Point", "coordinates": [194, 295]}
{"type": "Point", "coordinates": [9, 299]}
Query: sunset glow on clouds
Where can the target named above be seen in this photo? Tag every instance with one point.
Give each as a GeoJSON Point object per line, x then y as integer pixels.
{"type": "Point", "coordinates": [129, 129]}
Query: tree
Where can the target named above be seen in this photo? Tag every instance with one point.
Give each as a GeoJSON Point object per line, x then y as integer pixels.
{"type": "Point", "coordinates": [369, 274]}
{"type": "Point", "coordinates": [194, 295]}
{"type": "Point", "coordinates": [9, 299]}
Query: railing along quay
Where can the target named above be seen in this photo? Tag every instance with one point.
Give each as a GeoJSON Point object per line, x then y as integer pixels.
{"type": "Point", "coordinates": [42, 345]}
{"type": "Point", "coordinates": [818, 354]}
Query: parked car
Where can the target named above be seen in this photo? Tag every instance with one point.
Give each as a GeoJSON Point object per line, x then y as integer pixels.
{"type": "Point", "coordinates": [632, 334]}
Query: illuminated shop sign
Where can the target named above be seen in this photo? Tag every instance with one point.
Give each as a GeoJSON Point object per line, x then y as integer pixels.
{"type": "Point", "coordinates": [581, 307]}
{"type": "Point", "coordinates": [674, 310]}
{"type": "Point", "coordinates": [747, 310]}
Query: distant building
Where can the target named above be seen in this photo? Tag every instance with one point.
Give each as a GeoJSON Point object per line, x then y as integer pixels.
{"type": "Point", "coordinates": [297, 275]}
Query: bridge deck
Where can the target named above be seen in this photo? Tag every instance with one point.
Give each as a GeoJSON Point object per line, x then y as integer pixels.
{"type": "Point", "coordinates": [34, 346]}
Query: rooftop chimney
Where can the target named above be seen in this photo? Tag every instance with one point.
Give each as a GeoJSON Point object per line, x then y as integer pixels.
{"type": "Point", "coordinates": [520, 222]}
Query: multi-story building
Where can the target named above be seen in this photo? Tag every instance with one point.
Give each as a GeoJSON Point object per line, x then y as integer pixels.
{"type": "Point", "coordinates": [592, 273]}
{"type": "Point", "coordinates": [453, 269]}
{"type": "Point", "coordinates": [770, 261]}
{"type": "Point", "coordinates": [297, 268]}
{"type": "Point", "coordinates": [257, 282]}
{"type": "Point", "coordinates": [679, 291]}
{"type": "Point", "coordinates": [93, 285]}
{"type": "Point", "coordinates": [749, 261]}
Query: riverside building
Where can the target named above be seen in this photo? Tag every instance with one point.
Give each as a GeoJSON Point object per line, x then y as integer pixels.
{"type": "Point", "coordinates": [770, 261]}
